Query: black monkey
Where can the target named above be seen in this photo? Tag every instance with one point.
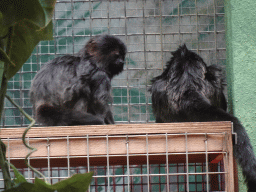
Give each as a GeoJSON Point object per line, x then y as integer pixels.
{"type": "Point", "coordinates": [75, 90]}
{"type": "Point", "coordinates": [189, 91]}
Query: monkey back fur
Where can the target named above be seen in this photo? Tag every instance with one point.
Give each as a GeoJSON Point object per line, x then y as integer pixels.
{"type": "Point", "coordinates": [189, 91]}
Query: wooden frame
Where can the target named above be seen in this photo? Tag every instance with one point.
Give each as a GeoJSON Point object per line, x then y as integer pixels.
{"type": "Point", "coordinates": [150, 141]}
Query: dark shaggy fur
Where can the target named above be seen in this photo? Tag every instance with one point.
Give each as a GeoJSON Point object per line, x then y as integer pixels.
{"type": "Point", "coordinates": [75, 90]}
{"type": "Point", "coordinates": [189, 91]}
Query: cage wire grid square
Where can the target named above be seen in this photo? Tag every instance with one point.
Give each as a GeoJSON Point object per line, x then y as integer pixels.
{"type": "Point", "coordinates": [138, 162]}
{"type": "Point", "coordinates": [151, 30]}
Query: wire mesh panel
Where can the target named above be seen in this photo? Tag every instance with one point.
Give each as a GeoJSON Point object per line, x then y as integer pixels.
{"type": "Point", "coordinates": [139, 157]}
{"type": "Point", "coordinates": [149, 28]}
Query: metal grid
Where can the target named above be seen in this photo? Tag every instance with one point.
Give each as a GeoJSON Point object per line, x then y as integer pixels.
{"type": "Point", "coordinates": [150, 29]}
{"type": "Point", "coordinates": [197, 170]}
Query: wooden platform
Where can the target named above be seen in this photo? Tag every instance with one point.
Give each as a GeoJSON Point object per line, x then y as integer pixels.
{"type": "Point", "coordinates": [116, 144]}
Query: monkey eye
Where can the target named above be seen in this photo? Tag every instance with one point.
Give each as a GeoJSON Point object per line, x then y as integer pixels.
{"type": "Point", "coordinates": [116, 54]}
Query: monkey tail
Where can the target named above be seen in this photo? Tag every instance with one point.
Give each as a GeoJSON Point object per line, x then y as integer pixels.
{"type": "Point", "coordinates": [245, 156]}
{"type": "Point", "coordinates": [56, 116]}
{"type": "Point", "coordinates": [243, 150]}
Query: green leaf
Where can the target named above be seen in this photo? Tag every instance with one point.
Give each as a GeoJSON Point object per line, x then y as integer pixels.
{"type": "Point", "coordinates": [77, 183]}
{"type": "Point", "coordinates": [37, 11]}
{"type": "Point", "coordinates": [26, 36]}
{"type": "Point", "coordinates": [19, 178]}
{"type": "Point", "coordinates": [29, 187]}
{"type": "Point", "coordinates": [48, 8]}
{"type": "Point", "coordinates": [23, 187]}
{"type": "Point", "coordinates": [3, 29]}
{"type": "Point", "coordinates": [4, 57]}
{"type": "Point", "coordinates": [1, 71]}
{"type": "Point", "coordinates": [40, 185]}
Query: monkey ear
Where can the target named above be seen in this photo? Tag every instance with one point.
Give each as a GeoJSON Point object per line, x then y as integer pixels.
{"type": "Point", "coordinates": [91, 47]}
{"type": "Point", "coordinates": [184, 46]}
{"type": "Point", "coordinates": [183, 50]}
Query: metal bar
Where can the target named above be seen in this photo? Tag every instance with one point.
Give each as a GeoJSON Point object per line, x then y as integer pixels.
{"type": "Point", "coordinates": [128, 163]}
{"type": "Point", "coordinates": [68, 157]}
{"type": "Point", "coordinates": [167, 165]}
{"type": "Point", "coordinates": [73, 35]}
{"type": "Point", "coordinates": [48, 160]}
{"type": "Point", "coordinates": [148, 171]}
{"type": "Point", "coordinates": [207, 163]}
{"type": "Point", "coordinates": [215, 29]}
{"type": "Point", "coordinates": [127, 78]}
{"type": "Point", "coordinates": [187, 168]}
{"type": "Point", "coordinates": [108, 173]}
{"type": "Point", "coordinates": [88, 155]}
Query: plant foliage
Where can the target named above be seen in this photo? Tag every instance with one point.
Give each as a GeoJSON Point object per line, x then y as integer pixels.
{"type": "Point", "coordinates": [31, 23]}
{"type": "Point", "coordinates": [76, 183]}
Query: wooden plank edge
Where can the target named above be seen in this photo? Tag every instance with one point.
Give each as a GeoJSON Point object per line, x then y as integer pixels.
{"type": "Point", "coordinates": [119, 129]}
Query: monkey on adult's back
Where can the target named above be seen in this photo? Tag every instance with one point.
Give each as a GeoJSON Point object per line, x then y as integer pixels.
{"type": "Point", "coordinates": [75, 90]}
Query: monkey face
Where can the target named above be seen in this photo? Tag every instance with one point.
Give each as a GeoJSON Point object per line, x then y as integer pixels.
{"type": "Point", "coordinates": [113, 51]}
{"type": "Point", "coordinates": [115, 62]}
{"type": "Point", "coordinates": [108, 53]}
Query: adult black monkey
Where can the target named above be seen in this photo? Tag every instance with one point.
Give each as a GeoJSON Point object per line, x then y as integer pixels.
{"type": "Point", "coordinates": [189, 91]}
{"type": "Point", "coordinates": [75, 90]}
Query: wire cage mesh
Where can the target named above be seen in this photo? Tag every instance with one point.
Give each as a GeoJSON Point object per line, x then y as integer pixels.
{"type": "Point", "coordinates": [151, 30]}
{"type": "Point", "coordinates": [162, 157]}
